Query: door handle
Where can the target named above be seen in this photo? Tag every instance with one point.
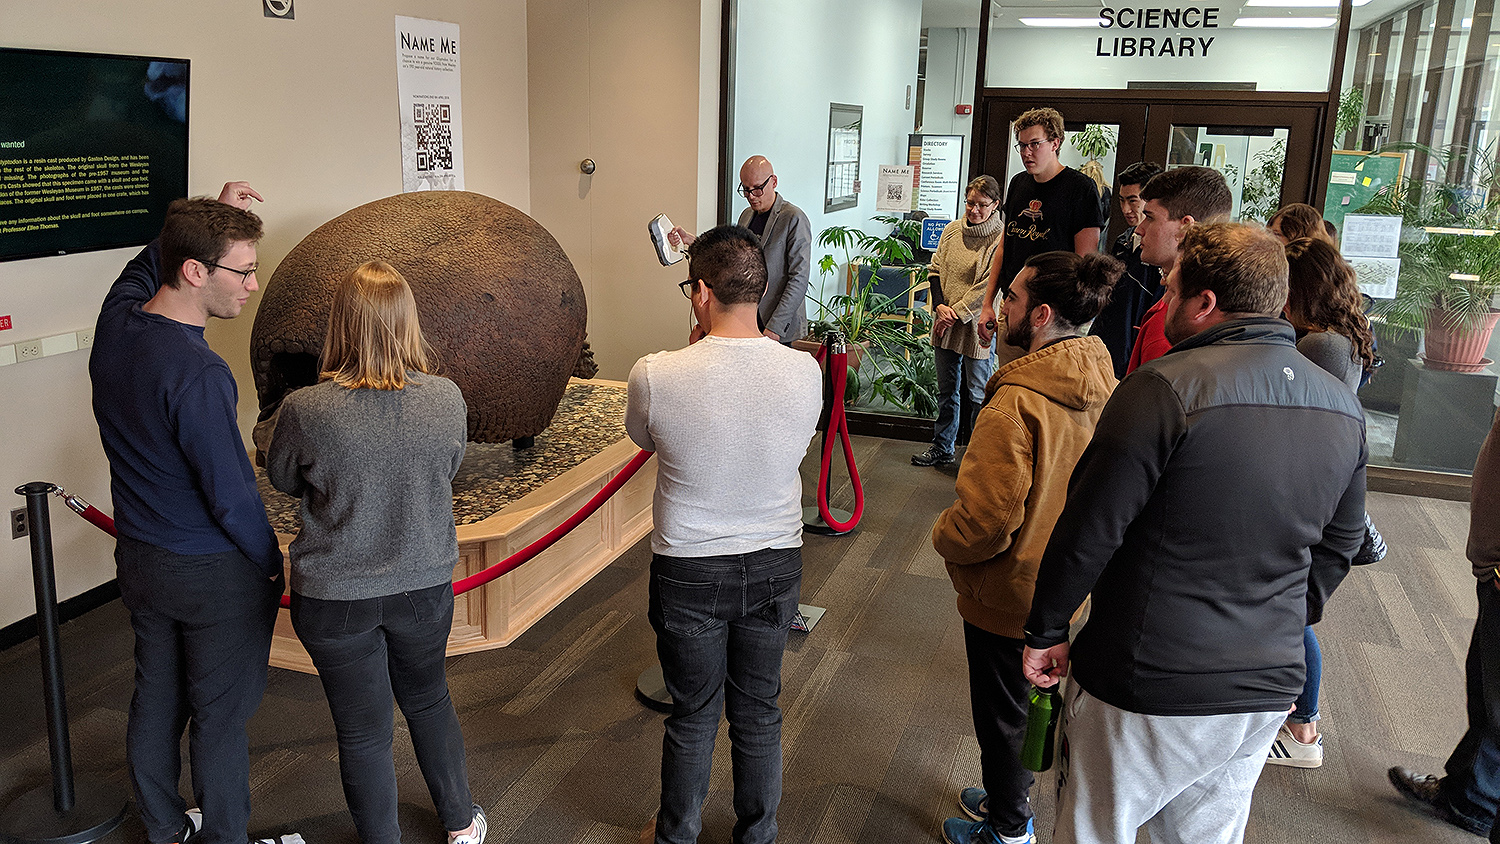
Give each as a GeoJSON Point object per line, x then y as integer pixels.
{"type": "Point", "coordinates": [586, 166]}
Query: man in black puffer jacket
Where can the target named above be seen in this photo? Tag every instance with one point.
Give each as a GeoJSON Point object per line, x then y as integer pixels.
{"type": "Point", "coordinates": [1213, 513]}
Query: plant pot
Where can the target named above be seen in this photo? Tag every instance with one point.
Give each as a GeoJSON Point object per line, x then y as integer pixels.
{"type": "Point", "coordinates": [1454, 347]}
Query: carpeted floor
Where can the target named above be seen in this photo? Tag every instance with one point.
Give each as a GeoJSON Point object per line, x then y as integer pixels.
{"type": "Point", "coordinates": [877, 734]}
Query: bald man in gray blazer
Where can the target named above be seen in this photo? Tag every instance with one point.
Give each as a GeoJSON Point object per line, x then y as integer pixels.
{"type": "Point", "coordinates": [786, 239]}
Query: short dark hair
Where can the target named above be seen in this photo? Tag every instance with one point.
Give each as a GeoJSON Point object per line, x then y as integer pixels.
{"type": "Point", "coordinates": [986, 186]}
{"type": "Point", "coordinates": [1244, 265]}
{"type": "Point", "coordinates": [729, 260]}
{"type": "Point", "coordinates": [202, 229]}
{"type": "Point", "coordinates": [1138, 173]}
{"type": "Point", "coordinates": [1298, 219]}
{"type": "Point", "coordinates": [1076, 286]}
{"type": "Point", "coordinates": [1197, 192]}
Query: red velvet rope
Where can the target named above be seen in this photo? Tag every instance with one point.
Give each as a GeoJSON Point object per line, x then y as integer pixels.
{"type": "Point", "coordinates": [473, 581]}
{"type": "Point", "coordinates": [838, 427]}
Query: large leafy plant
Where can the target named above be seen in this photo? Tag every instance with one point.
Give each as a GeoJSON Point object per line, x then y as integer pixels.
{"type": "Point", "coordinates": [898, 367]}
{"type": "Point", "coordinates": [1450, 252]}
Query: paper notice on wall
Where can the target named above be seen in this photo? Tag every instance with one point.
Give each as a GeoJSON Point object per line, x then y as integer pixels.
{"type": "Point", "coordinates": [893, 189]}
{"type": "Point", "coordinates": [1377, 276]}
{"type": "Point", "coordinates": [427, 88]}
{"type": "Point", "coordinates": [1370, 235]}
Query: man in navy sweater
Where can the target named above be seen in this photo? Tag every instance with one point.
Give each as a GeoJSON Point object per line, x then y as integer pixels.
{"type": "Point", "coordinates": [198, 565]}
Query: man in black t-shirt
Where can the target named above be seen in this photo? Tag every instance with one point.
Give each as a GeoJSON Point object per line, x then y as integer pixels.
{"type": "Point", "coordinates": [1048, 208]}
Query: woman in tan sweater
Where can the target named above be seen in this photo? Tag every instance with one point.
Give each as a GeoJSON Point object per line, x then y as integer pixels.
{"type": "Point", "coordinates": [957, 275]}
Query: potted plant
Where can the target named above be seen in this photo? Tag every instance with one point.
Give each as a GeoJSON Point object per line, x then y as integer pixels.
{"type": "Point", "coordinates": [1450, 256]}
{"type": "Point", "coordinates": [1094, 143]}
{"type": "Point", "coordinates": [887, 337]}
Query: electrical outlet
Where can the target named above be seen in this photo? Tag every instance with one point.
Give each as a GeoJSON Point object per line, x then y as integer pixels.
{"type": "Point", "coordinates": [29, 350]}
{"type": "Point", "coordinates": [85, 338]}
{"type": "Point", "coordinates": [20, 524]}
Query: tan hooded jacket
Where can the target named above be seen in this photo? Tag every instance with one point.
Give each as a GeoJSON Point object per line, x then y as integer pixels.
{"type": "Point", "coordinates": [1039, 414]}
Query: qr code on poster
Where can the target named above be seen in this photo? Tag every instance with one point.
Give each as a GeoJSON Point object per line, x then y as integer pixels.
{"type": "Point", "coordinates": [434, 123]}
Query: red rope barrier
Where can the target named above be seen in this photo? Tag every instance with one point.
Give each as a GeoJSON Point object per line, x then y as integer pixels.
{"type": "Point", "coordinates": [98, 518]}
{"type": "Point", "coordinates": [838, 427]}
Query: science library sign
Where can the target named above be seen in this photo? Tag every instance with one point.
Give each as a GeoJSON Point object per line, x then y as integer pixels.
{"type": "Point", "coordinates": [1166, 33]}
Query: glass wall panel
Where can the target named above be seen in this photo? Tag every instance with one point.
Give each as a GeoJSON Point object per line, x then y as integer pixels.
{"type": "Point", "coordinates": [1420, 84]}
{"type": "Point", "coordinates": [1264, 45]}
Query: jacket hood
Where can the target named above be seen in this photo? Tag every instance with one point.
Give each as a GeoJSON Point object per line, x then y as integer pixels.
{"type": "Point", "coordinates": [1077, 373]}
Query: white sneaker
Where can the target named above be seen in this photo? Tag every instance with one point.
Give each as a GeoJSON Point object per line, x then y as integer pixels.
{"type": "Point", "coordinates": [1286, 750]}
{"type": "Point", "coordinates": [480, 827]}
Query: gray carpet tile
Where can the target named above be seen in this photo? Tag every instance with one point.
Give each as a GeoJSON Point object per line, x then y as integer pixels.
{"type": "Point", "coordinates": [877, 734]}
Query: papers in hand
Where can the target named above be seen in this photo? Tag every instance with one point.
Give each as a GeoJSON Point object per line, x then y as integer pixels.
{"type": "Point", "coordinates": [659, 227]}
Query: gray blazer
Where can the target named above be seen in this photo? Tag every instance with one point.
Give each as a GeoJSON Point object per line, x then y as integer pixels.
{"type": "Point", "coordinates": [787, 244]}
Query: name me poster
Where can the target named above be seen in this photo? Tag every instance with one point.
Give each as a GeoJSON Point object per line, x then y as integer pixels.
{"type": "Point", "coordinates": [427, 87]}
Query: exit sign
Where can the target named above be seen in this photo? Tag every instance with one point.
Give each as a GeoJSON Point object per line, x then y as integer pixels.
{"type": "Point", "coordinates": [4, 322]}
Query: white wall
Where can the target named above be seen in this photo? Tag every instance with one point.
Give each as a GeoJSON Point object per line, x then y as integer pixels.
{"type": "Point", "coordinates": [306, 111]}
{"type": "Point", "coordinates": [794, 58]}
{"type": "Point", "coordinates": [951, 58]}
{"type": "Point", "coordinates": [1274, 59]}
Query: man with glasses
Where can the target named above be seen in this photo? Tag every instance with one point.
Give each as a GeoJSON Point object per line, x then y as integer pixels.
{"type": "Point", "coordinates": [729, 418]}
{"type": "Point", "coordinates": [198, 565]}
{"type": "Point", "coordinates": [1048, 208]}
{"type": "Point", "coordinates": [785, 238]}
{"type": "Point", "coordinates": [1140, 287]}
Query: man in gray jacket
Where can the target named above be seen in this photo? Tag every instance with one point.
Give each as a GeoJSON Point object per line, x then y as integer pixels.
{"type": "Point", "coordinates": [785, 239]}
{"type": "Point", "coordinates": [1214, 511]}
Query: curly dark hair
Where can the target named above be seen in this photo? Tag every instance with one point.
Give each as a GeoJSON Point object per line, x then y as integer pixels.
{"type": "Point", "coordinates": [1323, 295]}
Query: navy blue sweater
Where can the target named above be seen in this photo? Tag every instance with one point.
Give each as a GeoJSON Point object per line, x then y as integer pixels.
{"type": "Point", "coordinates": [166, 405]}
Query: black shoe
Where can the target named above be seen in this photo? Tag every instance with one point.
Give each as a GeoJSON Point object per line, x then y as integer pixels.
{"type": "Point", "coordinates": [1423, 788]}
{"type": "Point", "coordinates": [932, 457]}
{"type": "Point", "coordinates": [1373, 550]}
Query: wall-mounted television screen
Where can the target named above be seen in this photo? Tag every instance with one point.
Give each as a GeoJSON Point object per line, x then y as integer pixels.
{"type": "Point", "coordinates": [92, 149]}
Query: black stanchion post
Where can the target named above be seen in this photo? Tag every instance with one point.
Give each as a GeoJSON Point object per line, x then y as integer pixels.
{"type": "Point", "coordinates": [68, 812]}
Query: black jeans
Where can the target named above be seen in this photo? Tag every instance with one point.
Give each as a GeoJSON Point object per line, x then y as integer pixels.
{"type": "Point", "coordinates": [202, 638]}
{"type": "Point", "coordinates": [1471, 788]}
{"type": "Point", "coordinates": [998, 696]}
{"type": "Point", "coordinates": [721, 625]}
{"type": "Point", "coordinates": [365, 652]}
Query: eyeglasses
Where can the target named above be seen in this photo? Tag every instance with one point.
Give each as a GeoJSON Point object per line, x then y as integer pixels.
{"type": "Point", "coordinates": [243, 274]}
{"type": "Point", "coordinates": [969, 203]}
{"type": "Point", "coordinates": [687, 286]}
{"type": "Point", "coordinates": [757, 190]}
{"type": "Point", "coordinates": [1023, 146]}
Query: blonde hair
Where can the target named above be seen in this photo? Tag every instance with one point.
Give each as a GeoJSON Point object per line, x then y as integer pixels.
{"type": "Point", "coordinates": [373, 334]}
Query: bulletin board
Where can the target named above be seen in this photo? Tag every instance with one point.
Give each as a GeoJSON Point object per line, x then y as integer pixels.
{"type": "Point", "coordinates": [1354, 178]}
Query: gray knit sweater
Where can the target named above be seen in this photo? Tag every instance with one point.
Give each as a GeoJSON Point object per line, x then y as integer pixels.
{"type": "Point", "coordinates": [374, 470]}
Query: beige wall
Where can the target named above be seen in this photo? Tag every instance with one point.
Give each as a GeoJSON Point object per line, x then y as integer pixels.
{"type": "Point", "coordinates": [306, 111]}
{"type": "Point", "coordinates": [617, 81]}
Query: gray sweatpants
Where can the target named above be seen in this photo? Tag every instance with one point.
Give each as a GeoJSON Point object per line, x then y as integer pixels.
{"type": "Point", "coordinates": [1186, 778]}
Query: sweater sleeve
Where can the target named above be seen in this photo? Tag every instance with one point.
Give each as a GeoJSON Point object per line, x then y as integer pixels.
{"type": "Point", "coordinates": [1117, 474]}
{"type": "Point", "coordinates": [638, 406]}
{"type": "Point", "coordinates": [993, 482]}
{"type": "Point", "coordinates": [284, 454]}
{"type": "Point", "coordinates": [137, 283]}
{"type": "Point", "coordinates": [208, 432]}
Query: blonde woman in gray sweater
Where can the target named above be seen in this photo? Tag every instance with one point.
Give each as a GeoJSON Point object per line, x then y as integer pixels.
{"type": "Point", "coordinates": [958, 275]}
{"type": "Point", "coordinates": [372, 450]}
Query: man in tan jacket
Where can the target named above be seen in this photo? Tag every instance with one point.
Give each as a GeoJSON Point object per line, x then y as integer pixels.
{"type": "Point", "coordinates": [1039, 414]}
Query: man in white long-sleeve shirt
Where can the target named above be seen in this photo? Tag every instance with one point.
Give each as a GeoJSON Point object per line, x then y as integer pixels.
{"type": "Point", "coordinates": [730, 418]}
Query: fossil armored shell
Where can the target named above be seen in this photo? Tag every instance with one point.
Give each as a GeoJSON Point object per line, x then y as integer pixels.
{"type": "Point", "coordinates": [499, 302]}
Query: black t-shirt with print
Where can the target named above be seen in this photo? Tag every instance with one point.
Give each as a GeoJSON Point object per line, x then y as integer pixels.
{"type": "Point", "coordinates": [1044, 216]}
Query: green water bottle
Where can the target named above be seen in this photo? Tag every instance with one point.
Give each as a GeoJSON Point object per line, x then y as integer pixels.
{"type": "Point", "coordinates": [1041, 729]}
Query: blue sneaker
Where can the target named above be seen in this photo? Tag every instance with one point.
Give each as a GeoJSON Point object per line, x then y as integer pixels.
{"type": "Point", "coordinates": [974, 803]}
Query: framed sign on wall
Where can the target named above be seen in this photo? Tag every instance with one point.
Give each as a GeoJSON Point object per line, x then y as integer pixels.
{"type": "Point", "coordinates": [845, 123]}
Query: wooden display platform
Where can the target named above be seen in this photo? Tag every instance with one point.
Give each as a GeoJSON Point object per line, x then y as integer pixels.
{"type": "Point", "coordinates": [495, 614]}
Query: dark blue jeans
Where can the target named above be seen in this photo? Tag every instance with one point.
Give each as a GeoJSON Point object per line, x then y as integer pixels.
{"type": "Point", "coordinates": [1307, 702]}
{"type": "Point", "coordinates": [365, 652]}
{"type": "Point", "coordinates": [1472, 787]}
{"type": "Point", "coordinates": [202, 637]}
{"type": "Point", "coordinates": [721, 625]}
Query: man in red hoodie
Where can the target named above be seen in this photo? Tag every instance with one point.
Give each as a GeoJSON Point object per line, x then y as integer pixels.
{"type": "Point", "coordinates": [1175, 201]}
